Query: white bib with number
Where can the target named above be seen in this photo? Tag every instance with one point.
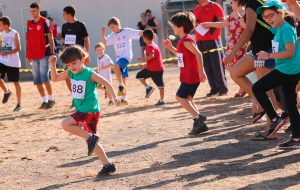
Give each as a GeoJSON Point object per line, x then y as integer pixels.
{"type": "Point", "coordinates": [259, 63]}
{"type": "Point", "coordinates": [180, 60]}
{"type": "Point", "coordinates": [70, 39]}
{"type": "Point", "coordinates": [275, 46]}
{"type": "Point", "coordinates": [78, 88]}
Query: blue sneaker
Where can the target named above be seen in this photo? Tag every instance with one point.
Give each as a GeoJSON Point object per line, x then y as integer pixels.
{"type": "Point", "coordinates": [149, 91]}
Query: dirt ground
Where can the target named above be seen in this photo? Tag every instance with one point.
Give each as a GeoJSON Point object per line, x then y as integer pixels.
{"type": "Point", "coordinates": [148, 144]}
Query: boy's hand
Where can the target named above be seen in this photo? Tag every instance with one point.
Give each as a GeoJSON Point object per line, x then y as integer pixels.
{"type": "Point", "coordinates": [142, 66]}
{"type": "Point", "coordinates": [87, 60]}
{"type": "Point", "coordinates": [228, 59]}
{"type": "Point", "coordinates": [102, 31]}
{"type": "Point", "coordinates": [205, 25]}
{"type": "Point", "coordinates": [29, 61]}
{"type": "Point", "coordinates": [262, 55]}
{"type": "Point", "coordinates": [298, 87]}
{"type": "Point", "coordinates": [202, 76]}
{"type": "Point", "coordinates": [167, 43]}
{"type": "Point", "coordinates": [52, 60]}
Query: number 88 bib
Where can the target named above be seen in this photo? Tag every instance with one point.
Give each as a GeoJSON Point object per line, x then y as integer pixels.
{"type": "Point", "coordinates": [78, 88]}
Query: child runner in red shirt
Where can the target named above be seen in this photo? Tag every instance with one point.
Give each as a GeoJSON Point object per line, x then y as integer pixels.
{"type": "Point", "coordinates": [154, 68]}
{"type": "Point", "coordinates": [190, 62]}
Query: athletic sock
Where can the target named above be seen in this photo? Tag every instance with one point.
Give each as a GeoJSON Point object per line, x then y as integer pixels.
{"type": "Point", "coordinates": [45, 99]}
{"type": "Point", "coordinates": [51, 98]}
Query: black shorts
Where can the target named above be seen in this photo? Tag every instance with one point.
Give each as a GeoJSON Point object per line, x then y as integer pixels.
{"type": "Point", "coordinates": [11, 72]}
{"type": "Point", "coordinates": [186, 90]}
{"type": "Point", "coordinates": [156, 76]}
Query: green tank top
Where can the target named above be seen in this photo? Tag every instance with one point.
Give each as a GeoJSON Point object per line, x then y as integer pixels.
{"type": "Point", "coordinates": [84, 91]}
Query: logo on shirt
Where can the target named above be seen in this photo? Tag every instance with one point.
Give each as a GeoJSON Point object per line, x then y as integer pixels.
{"type": "Point", "coordinates": [38, 27]}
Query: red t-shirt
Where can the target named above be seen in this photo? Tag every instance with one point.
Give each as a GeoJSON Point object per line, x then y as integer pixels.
{"type": "Point", "coordinates": [154, 64]}
{"type": "Point", "coordinates": [209, 13]}
{"type": "Point", "coordinates": [189, 74]}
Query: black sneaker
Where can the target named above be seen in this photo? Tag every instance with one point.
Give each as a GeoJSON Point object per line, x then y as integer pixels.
{"type": "Point", "coordinates": [121, 91]}
{"type": "Point", "coordinates": [223, 93]}
{"type": "Point", "coordinates": [291, 144]}
{"type": "Point", "coordinates": [44, 105]}
{"type": "Point", "coordinates": [18, 107]}
{"type": "Point", "coordinates": [275, 126]}
{"type": "Point", "coordinates": [198, 126]}
{"type": "Point", "coordinates": [197, 131]}
{"type": "Point", "coordinates": [160, 103]}
{"type": "Point", "coordinates": [211, 94]}
{"type": "Point", "coordinates": [107, 169]}
{"type": "Point", "coordinates": [6, 97]}
{"type": "Point", "coordinates": [288, 130]}
{"type": "Point", "coordinates": [149, 91]}
{"type": "Point", "coordinates": [50, 104]}
{"type": "Point", "coordinates": [91, 142]}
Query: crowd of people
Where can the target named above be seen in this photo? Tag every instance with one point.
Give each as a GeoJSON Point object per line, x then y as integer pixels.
{"type": "Point", "coordinates": [262, 58]}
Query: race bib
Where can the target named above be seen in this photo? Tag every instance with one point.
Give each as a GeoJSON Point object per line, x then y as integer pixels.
{"type": "Point", "coordinates": [259, 63]}
{"type": "Point", "coordinates": [78, 89]}
{"type": "Point", "coordinates": [180, 60]}
{"type": "Point", "coordinates": [275, 46]}
{"type": "Point", "coordinates": [70, 39]}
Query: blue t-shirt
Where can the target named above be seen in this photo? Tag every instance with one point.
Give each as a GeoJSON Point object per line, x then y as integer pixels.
{"type": "Point", "coordinates": [287, 34]}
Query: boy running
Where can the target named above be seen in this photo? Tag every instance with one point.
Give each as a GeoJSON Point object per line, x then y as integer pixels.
{"type": "Point", "coordinates": [154, 68]}
{"type": "Point", "coordinates": [104, 65]}
{"type": "Point", "coordinates": [83, 122]}
{"type": "Point", "coordinates": [191, 67]}
{"type": "Point", "coordinates": [9, 60]}
{"type": "Point", "coordinates": [121, 39]}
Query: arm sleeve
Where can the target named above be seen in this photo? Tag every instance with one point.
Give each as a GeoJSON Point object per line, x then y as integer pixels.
{"type": "Point", "coordinates": [289, 36]}
{"type": "Point", "coordinates": [219, 11]}
{"type": "Point", "coordinates": [108, 59]}
{"type": "Point", "coordinates": [133, 34]}
{"type": "Point", "coordinates": [84, 32]}
{"type": "Point", "coordinates": [110, 39]}
{"type": "Point", "coordinates": [47, 27]}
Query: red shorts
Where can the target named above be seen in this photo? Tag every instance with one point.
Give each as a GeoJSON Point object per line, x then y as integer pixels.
{"type": "Point", "coordinates": [88, 121]}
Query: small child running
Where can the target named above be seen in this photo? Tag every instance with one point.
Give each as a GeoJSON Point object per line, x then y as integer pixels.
{"type": "Point", "coordinates": [154, 68]}
{"type": "Point", "coordinates": [84, 81]}
{"type": "Point", "coordinates": [104, 65]}
{"type": "Point", "coordinates": [190, 62]}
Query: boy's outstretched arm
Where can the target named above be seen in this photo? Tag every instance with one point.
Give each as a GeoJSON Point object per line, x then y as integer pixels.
{"type": "Point", "coordinates": [55, 76]}
{"type": "Point", "coordinates": [97, 78]}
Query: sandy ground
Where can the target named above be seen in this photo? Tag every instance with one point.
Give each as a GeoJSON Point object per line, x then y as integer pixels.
{"type": "Point", "coordinates": [148, 144]}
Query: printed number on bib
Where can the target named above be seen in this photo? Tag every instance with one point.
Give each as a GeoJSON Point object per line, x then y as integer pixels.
{"type": "Point", "coordinates": [78, 89]}
{"type": "Point", "coordinates": [259, 63]}
{"type": "Point", "coordinates": [70, 39]}
{"type": "Point", "coordinates": [275, 46]}
{"type": "Point", "coordinates": [180, 59]}
{"type": "Point", "coordinates": [121, 45]}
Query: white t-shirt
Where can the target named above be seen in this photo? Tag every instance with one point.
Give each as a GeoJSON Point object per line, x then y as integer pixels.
{"type": "Point", "coordinates": [8, 44]}
{"type": "Point", "coordinates": [102, 62]}
{"type": "Point", "coordinates": [122, 42]}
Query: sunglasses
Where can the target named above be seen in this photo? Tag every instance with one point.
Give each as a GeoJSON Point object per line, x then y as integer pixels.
{"type": "Point", "coordinates": [269, 16]}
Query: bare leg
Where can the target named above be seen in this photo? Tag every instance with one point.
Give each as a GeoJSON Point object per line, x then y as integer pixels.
{"type": "Point", "coordinates": [162, 93]}
{"type": "Point", "coordinates": [193, 103]}
{"type": "Point", "coordinates": [48, 87]}
{"type": "Point", "coordinates": [41, 89]}
{"type": "Point", "coordinates": [18, 92]}
{"type": "Point", "coordinates": [186, 104]}
{"type": "Point", "coordinates": [70, 125]}
{"type": "Point", "coordinates": [144, 82]}
{"type": "Point", "coordinates": [118, 74]}
{"type": "Point", "coordinates": [3, 86]}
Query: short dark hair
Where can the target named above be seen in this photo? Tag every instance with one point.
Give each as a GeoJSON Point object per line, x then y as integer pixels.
{"type": "Point", "coordinates": [100, 44]}
{"type": "Point", "coordinates": [5, 20]}
{"type": "Point", "coordinates": [148, 11]}
{"type": "Point", "coordinates": [114, 20]}
{"type": "Point", "coordinates": [70, 10]}
{"type": "Point", "coordinates": [35, 5]}
{"type": "Point", "coordinates": [242, 2]}
{"type": "Point", "coordinates": [185, 19]}
{"type": "Point", "coordinates": [50, 18]}
{"type": "Point", "coordinates": [72, 53]}
{"type": "Point", "coordinates": [148, 34]}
